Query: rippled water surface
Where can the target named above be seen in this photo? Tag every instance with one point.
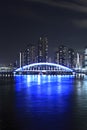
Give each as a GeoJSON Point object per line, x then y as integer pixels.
{"type": "Point", "coordinates": [44, 103]}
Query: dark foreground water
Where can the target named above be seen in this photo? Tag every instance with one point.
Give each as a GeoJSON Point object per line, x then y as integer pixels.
{"type": "Point", "coordinates": [43, 103]}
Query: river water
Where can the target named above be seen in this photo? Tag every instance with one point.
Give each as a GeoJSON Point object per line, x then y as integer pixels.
{"type": "Point", "coordinates": [39, 102]}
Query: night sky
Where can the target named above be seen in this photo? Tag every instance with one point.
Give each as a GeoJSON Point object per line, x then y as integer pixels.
{"type": "Point", "coordinates": [23, 21]}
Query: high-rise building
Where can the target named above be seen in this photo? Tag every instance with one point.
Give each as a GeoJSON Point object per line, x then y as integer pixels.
{"type": "Point", "coordinates": [61, 55]}
{"type": "Point", "coordinates": [65, 56]}
{"type": "Point", "coordinates": [56, 60]}
{"type": "Point", "coordinates": [85, 58]}
{"type": "Point", "coordinates": [71, 58]}
{"type": "Point", "coordinates": [43, 49]}
{"type": "Point", "coordinates": [32, 54]}
{"type": "Point", "coordinates": [29, 55]}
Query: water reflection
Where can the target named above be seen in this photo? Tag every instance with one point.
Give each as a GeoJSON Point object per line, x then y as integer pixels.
{"type": "Point", "coordinates": [53, 97]}
{"type": "Point", "coordinates": [80, 104]}
{"type": "Point", "coordinates": [44, 98]}
{"type": "Point", "coordinates": [44, 103]}
{"type": "Point", "coordinates": [42, 93]}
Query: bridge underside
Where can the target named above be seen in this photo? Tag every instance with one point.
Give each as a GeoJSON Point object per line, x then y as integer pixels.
{"type": "Point", "coordinates": [44, 72]}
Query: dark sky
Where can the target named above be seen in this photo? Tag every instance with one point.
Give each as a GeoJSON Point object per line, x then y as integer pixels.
{"type": "Point", "coordinates": [24, 21]}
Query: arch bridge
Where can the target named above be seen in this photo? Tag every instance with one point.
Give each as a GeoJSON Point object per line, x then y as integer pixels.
{"type": "Point", "coordinates": [44, 68]}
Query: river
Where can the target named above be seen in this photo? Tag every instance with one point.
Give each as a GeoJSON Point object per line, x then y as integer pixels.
{"type": "Point", "coordinates": [40, 102]}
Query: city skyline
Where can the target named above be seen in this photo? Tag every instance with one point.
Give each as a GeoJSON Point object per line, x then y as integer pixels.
{"type": "Point", "coordinates": [24, 21]}
{"type": "Point", "coordinates": [63, 55]}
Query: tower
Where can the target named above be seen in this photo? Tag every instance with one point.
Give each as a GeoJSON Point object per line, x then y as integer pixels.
{"type": "Point", "coordinates": [43, 49]}
{"type": "Point", "coordinates": [30, 54]}
{"type": "Point", "coordinates": [78, 61]}
{"type": "Point", "coordinates": [61, 55]}
{"type": "Point", "coordinates": [71, 58]}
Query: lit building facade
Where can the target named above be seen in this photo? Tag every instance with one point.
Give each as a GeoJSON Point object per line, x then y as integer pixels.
{"type": "Point", "coordinates": [43, 49]}
{"type": "Point", "coordinates": [29, 55]}
{"type": "Point", "coordinates": [85, 58]}
{"type": "Point", "coordinates": [71, 58]}
{"type": "Point", "coordinates": [56, 60]}
{"type": "Point", "coordinates": [32, 54]}
{"type": "Point", "coordinates": [61, 55]}
{"type": "Point", "coordinates": [65, 56]}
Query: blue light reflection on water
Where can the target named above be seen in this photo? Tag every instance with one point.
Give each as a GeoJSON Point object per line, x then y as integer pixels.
{"type": "Point", "coordinates": [47, 98]}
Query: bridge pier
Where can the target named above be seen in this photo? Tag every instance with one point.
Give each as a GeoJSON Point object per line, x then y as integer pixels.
{"type": "Point", "coordinates": [6, 74]}
{"type": "Point", "coordinates": [79, 76]}
{"type": "Point", "coordinates": [6, 77]}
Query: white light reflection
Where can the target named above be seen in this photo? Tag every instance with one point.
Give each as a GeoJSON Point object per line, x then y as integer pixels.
{"type": "Point", "coordinates": [49, 90]}
{"type": "Point", "coordinates": [49, 78]}
{"type": "Point", "coordinates": [79, 88]}
{"type": "Point", "coordinates": [59, 84]}
{"type": "Point", "coordinates": [39, 79]}
{"type": "Point", "coordinates": [39, 84]}
{"type": "Point", "coordinates": [85, 86]}
{"type": "Point", "coordinates": [59, 78]}
{"type": "Point", "coordinates": [28, 78]}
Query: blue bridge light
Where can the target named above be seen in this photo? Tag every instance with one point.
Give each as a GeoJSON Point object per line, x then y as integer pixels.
{"type": "Point", "coordinates": [60, 67]}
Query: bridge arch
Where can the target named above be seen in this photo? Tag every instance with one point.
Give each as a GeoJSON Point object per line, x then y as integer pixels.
{"type": "Point", "coordinates": [44, 67]}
